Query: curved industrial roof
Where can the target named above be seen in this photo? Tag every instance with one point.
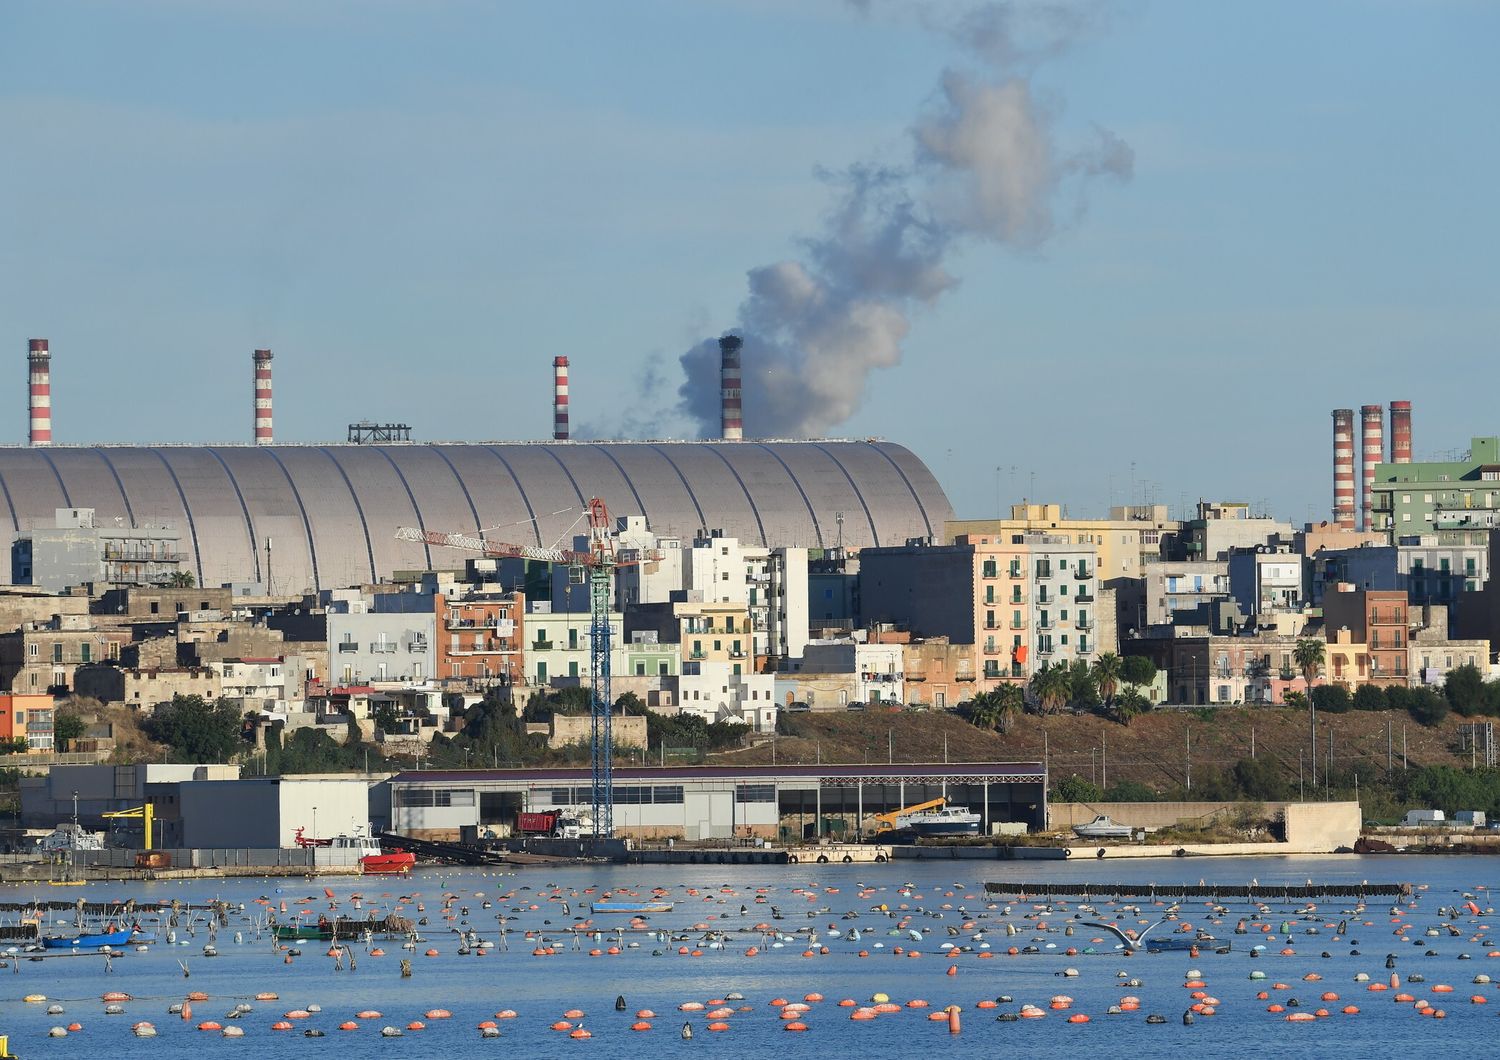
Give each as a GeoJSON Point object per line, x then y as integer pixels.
{"type": "Point", "coordinates": [331, 511]}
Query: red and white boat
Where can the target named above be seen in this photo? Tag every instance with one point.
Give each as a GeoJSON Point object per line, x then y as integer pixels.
{"type": "Point", "coordinates": [372, 860]}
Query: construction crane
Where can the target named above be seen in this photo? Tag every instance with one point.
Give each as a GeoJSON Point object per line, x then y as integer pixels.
{"type": "Point", "coordinates": [601, 563]}
{"type": "Point", "coordinates": [889, 822]}
{"type": "Point", "coordinates": [144, 814]}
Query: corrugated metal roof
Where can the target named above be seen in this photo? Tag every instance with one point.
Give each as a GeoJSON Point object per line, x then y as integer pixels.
{"type": "Point", "coordinates": [331, 511]}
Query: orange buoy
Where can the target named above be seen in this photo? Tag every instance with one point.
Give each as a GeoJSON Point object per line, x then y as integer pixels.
{"type": "Point", "coordinates": [416, 1025]}
{"type": "Point", "coordinates": [348, 1025]}
{"type": "Point", "coordinates": [1078, 1017]}
{"type": "Point", "coordinates": [916, 1002]}
{"type": "Point", "coordinates": [579, 1032]}
{"type": "Point", "coordinates": [954, 1025]}
{"type": "Point", "coordinates": [266, 997]}
{"type": "Point", "coordinates": [987, 1003]}
{"type": "Point", "coordinates": [197, 995]}
{"type": "Point", "coordinates": [640, 1025]}
{"type": "Point", "coordinates": [432, 953]}
{"type": "Point", "coordinates": [367, 1014]}
{"type": "Point", "coordinates": [795, 1025]}
{"type": "Point", "coordinates": [506, 1014]}
{"type": "Point", "coordinates": [74, 1028]}
{"type": "Point", "coordinates": [814, 998]}
{"type": "Point", "coordinates": [562, 1025]}
{"type": "Point", "coordinates": [938, 1017]}
{"type": "Point", "coordinates": [718, 1025]}
{"type": "Point", "coordinates": [864, 1014]}
{"type": "Point", "coordinates": [1300, 1017]}
{"type": "Point", "coordinates": [281, 1025]}
{"type": "Point", "coordinates": [1442, 988]}
{"type": "Point", "coordinates": [572, 1014]}
{"type": "Point", "coordinates": [1275, 1008]}
{"type": "Point", "coordinates": [1350, 1010]}
{"type": "Point", "coordinates": [115, 995]}
{"type": "Point", "coordinates": [485, 1025]}
{"type": "Point", "coordinates": [210, 1026]}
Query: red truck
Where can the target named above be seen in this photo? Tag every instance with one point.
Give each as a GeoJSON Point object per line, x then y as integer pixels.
{"type": "Point", "coordinates": [537, 823]}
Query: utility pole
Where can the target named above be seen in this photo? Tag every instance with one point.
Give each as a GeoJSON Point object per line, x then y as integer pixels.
{"type": "Point", "coordinates": [1405, 762]}
{"type": "Point", "coordinates": [1301, 791]}
{"type": "Point", "coordinates": [1252, 742]}
{"type": "Point", "coordinates": [1312, 728]}
{"type": "Point", "coordinates": [890, 746]}
{"type": "Point", "coordinates": [1187, 732]}
{"type": "Point", "coordinates": [1390, 747]}
{"type": "Point", "coordinates": [1104, 759]}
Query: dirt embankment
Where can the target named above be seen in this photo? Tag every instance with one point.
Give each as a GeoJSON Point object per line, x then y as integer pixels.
{"type": "Point", "coordinates": [1155, 749]}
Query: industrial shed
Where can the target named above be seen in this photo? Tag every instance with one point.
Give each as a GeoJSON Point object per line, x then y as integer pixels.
{"type": "Point", "coordinates": [330, 512]}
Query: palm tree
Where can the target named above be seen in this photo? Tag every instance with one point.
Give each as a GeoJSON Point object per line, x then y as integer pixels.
{"type": "Point", "coordinates": [1010, 701]}
{"type": "Point", "coordinates": [1309, 656]}
{"type": "Point", "coordinates": [1107, 670]}
{"type": "Point", "coordinates": [1052, 686]}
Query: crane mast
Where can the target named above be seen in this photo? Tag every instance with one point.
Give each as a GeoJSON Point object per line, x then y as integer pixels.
{"type": "Point", "coordinates": [600, 562]}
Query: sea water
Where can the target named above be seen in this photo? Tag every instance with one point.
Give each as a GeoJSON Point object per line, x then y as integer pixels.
{"type": "Point", "coordinates": [926, 897]}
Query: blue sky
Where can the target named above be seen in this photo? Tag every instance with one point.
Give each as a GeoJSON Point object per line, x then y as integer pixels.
{"type": "Point", "coordinates": [418, 204]}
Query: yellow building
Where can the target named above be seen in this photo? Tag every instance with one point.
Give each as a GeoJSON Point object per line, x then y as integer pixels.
{"type": "Point", "coordinates": [1126, 543]}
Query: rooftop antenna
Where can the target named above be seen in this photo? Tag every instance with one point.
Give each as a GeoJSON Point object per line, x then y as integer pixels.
{"type": "Point", "coordinates": [269, 590]}
{"type": "Point", "coordinates": [839, 518]}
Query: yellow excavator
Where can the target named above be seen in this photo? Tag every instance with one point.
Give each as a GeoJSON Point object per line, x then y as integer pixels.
{"type": "Point", "coordinates": [890, 822]}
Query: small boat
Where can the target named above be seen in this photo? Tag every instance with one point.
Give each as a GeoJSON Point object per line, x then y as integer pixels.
{"type": "Point", "coordinates": [89, 940]}
{"type": "Point", "coordinates": [1101, 827]}
{"type": "Point", "coordinates": [631, 907]}
{"type": "Point", "coordinates": [372, 860]}
{"type": "Point", "coordinates": [67, 837]}
{"type": "Point", "coordinates": [321, 931]}
{"type": "Point", "coordinates": [948, 820]}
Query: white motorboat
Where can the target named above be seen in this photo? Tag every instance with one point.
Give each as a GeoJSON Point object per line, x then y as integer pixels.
{"type": "Point", "coordinates": [949, 820]}
{"type": "Point", "coordinates": [1101, 827]}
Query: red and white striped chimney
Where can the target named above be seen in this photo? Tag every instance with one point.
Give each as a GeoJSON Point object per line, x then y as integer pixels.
{"type": "Point", "coordinates": [559, 399]}
{"type": "Point", "coordinates": [39, 385]}
{"type": "Point", "coordinates": [1400, 432]}
{"type": "Point", "coordinates": [1372, 452]}
{"type": "Point", "coordinates": [1343, 468]}
{"type": "Point", "coordinates": [732, 424]}
{"type": "Point", "coordinates": [262, 397]}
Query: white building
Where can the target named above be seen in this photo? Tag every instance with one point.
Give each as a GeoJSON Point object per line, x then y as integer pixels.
{"type": "Point", "coordinates": [557, 644]}
{"type": "Point", "coordinates": [1064, 592]}
{"type": "Point", "coordinates": [261, 684]}
{"type": "Point", "coordinates": [851, 669]}
{"type": "Point", "coordinates": [367, 646]}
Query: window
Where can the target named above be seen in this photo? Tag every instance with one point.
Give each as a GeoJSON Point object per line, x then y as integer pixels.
{"type": "Point", "coordinates": [86, 651]}
{"type": "Point", "coordinates": [31, 650]}
{"type": "Point", "coordinates": [57, 653]}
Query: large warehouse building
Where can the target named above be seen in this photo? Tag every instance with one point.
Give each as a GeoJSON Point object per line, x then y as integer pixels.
{"type": "Point", "coordinates": [297, 517]}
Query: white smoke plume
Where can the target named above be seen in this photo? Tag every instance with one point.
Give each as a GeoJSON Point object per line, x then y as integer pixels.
{"type": "Point", "coordinates": [985, 165]}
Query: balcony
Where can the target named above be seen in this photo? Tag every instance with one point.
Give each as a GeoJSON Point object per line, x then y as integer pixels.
{"type": "Point", "coordinates": [992, 649]}
{"type": "Point", "coordinates": [1015, 572]}
{"type": "Point", "coordinates": [1044, 648]}
{"type": "Point", "coordinates": [992, 624]}
{"type": "Point", "coordinates": [1045, 623]}
{"type": "Point", "coordinates": [992, 673]}
{"type": "Point", "coordinates": [1084, 598]}
{"type": "Point", "coordinates": [382, 647]}
{"type": "Point", "coordinates": [736, 655]}
{"type": "Point", "coordinates": [542, 645]}
{"type": "Point", "coordinates": [1082, 573]}
{"type": "Point", "coordinates": [1085, 623]}
{"type": "Point", "coordinates": [697, 655]}
{"type": "Point", "coordinates": [989, 570]}
{"type": "Point", "coordinates": [1014, 624]}
{"type": "Point", "coordinates": [417, 647]}
{"type": "Point", "coordinates": [1044, 570]}
{"type": "Point", "coordinates": [348, 647]}
{"type": "Point", "coordinates": [1017, 598]}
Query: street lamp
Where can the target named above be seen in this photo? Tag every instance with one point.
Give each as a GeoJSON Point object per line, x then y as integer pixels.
{"type": "Point", "coordinates": [315, 837]}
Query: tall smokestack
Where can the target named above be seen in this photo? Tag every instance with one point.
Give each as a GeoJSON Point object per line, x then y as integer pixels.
{"type": "Point", "coordinates": [39, 380]}
{"type": "Point", "coordinates": [1400, 432]}
{"type": "Point", "coordinates": [731, 421]}
{"type": "Point", "coordinates": [262, 397]}
{"type": "Point", "coordinates": [1343, 468]}
{"type": "Point", "coordinates": [559, 399]}
{"type": "Point", "coordinates": [1372, 452]}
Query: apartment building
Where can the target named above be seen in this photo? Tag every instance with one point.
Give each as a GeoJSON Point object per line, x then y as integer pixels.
{"type": "Point", "coordinates": [1064, 593]}
{"type": "Point", "coordinates": [1418, 498]}
{"type": "Point", "coordinates": [1377, 619]}
{"type": "Point", "coordinates": [719, 681]}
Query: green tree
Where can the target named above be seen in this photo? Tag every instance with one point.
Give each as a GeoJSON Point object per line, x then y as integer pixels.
{"type": "Point", "coordinates": [1130, 791]}
{"type": "Point", "coordinates": [1427, 707]}
{"type": "Point", "coordinates": [197, 731]}
{"type": "Point", "coordinates": [1051, 687]}
{"type": "Point", "coordinates": [1083, 693]}
{"type": "Point", "coordinates": [1332, 699]}
{"type": "Point", "coordinates": [1309, 656]}
{"type": "Point", "coordinates": [1464, 687]}
{"type": "Point", "coordinates": [1129, 705]}
{"type": "Point", "coordinates": [1137, 670]}
{"type": "Point", "coordinates": [1108, 670]}
{"type": "Point", "coordinates": [1076, 789]}
{"type": "Point", "coordinates": [1369, 697]}
{"type": "Point", "coordinates": [181, 579]}
{"type": "Point", "coordinates": [67, 726]}
{"type": "Point", "coordinates": [386, 717]}
{"type": "Point", "coordinates": [1259, 778]}
{"type": "Point", "coordinates": [1397, 697]}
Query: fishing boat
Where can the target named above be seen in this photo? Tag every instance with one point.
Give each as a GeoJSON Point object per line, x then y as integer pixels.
{"type": "Point", "coordinates": [1101, 827]}
{"type": "Point", "coordinates": [631, 907]}
{"type": "Point", "coordinates": [372, 860]}
{"type": "Point", "coordinates": [88, 940]}
{"type": "Point", "coordinates": [321, 931]}
{"type": "Point", "coordinates": [68, 837]}
{"type": "Point", "coordinates": [948, 820]}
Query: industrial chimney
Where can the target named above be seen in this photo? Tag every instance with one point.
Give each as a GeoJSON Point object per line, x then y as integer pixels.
{"type": "Point", "coordinates": [731, 421]}
{"type": "Point", "coordinates": [559, 399]}
{"type": "Point", "coordinates": [1372, 452]}
{"type": "Point", "coordinates": [262, 397]}
{"type": "Point", "coordinates": [1400, 432]}
{"type": "Point", "coordinates": [39, 380]}
{"type": "Point", "coordinates": [1343, 468]}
